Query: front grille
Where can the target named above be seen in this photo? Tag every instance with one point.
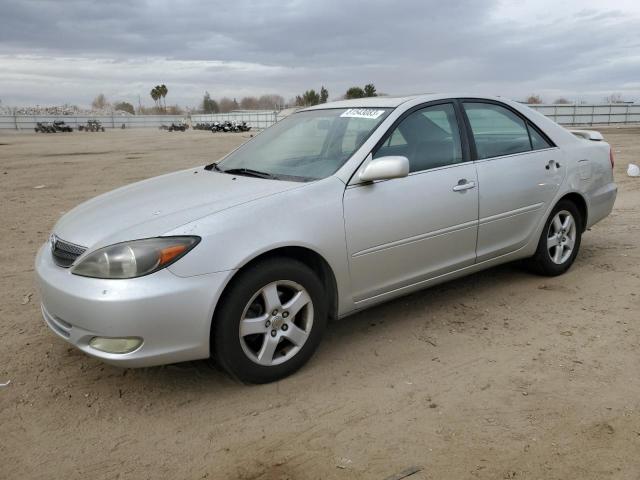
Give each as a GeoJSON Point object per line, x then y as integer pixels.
{"type": "Point", "coordinates": [65, 253]}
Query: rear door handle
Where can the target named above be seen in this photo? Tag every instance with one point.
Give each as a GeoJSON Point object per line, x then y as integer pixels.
{"type": "Point", "coordinates": [463, 185]}
{"type": "Point", "coordinates": [551, 164]}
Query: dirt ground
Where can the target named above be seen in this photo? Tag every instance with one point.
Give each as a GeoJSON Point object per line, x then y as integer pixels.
{"type": "Point", "coordinates": [500, 375]}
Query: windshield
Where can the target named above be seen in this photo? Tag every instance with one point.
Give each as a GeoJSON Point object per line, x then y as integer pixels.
{"type": "Point", "coordinates": [306, 146]}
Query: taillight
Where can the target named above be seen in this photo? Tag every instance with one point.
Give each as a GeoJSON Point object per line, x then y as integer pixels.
{"type": "Point", "coordinates": [611, 158]}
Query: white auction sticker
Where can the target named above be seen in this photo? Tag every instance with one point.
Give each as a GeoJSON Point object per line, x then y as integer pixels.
{"type": "Point", "coordinates": [362, 113]}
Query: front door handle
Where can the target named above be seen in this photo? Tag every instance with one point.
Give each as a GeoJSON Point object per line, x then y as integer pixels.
{"type": "Point", "coordinates": [463, 185]}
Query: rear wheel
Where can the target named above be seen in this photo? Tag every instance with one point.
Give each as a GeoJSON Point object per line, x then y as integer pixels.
{"type": "Point", "coordinates": [270, 321]}
{"type": "Point", "coordinates": [559, 242]}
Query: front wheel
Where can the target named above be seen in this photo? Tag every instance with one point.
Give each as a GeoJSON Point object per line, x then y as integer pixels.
{"type": "Point", "coordinates": [559, 242]}
{"type": "Point", "coordinates": [270, 321]}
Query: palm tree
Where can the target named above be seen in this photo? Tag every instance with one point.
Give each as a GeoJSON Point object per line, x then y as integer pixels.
{"type": "Point", "coordinates": [163, 92]}
{"type": "Point", "coordinates": [155, 95]}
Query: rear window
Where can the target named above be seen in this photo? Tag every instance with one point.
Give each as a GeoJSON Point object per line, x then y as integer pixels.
{"type": "Point", "coordinates": [538, 142]}
{"type": "Point", "coordinates": [497, 131]}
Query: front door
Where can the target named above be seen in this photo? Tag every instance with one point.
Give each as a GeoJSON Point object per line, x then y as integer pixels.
{"type": "Point", "coordinates": [407, 230]}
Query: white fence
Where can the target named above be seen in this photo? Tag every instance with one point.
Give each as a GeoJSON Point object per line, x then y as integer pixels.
{"type": "Point", "coordinates": [256, 120]}
{"type": "Point", "coordinates": [28, 122]}
{"type": "Point", "coordinates": [603, 114]}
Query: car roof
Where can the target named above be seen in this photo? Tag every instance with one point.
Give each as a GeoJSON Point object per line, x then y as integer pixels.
{"type": "Point", "coordinates": [388, 102]}
{"type": "Point", "coordinates": [393, 102]}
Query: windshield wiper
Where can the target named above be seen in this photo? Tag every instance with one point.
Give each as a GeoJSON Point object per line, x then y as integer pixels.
{"type": "Point", "coordinates": [248, 172]}
{"type": "Point", "coordinates": [213, 166]}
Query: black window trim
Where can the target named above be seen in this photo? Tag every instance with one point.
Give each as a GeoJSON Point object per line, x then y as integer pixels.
{"type": "Point", "coordinates": [527, 122]}
{"type": "Point", "coordinates": [464, 141]}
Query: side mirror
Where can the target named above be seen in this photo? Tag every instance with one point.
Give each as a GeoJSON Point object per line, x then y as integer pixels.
{"type": "Point", "coordinates": [385, 168]}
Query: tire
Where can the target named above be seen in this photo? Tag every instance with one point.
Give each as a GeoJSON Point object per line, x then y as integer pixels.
{"type": "Point", "coordinates": [552, 256]}
{"type": "Point", "coordinates": [244, 309]}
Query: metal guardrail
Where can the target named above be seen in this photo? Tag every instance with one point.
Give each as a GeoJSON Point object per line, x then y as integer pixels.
{"type": "Point", "coordinates": [595, 114]}
{"type": "Point", "coordinates": [28, 122]}
{"type": "Point", "coordinates": [257, 120]}
{"type": "Point", "coordinates": [578, 114]}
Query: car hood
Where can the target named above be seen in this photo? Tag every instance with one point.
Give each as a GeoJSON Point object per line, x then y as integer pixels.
{"type": "Point", "coordinates": [158, 205]}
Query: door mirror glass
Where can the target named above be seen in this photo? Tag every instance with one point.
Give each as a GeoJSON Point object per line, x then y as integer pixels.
{"type": "Point", "coordinates": [384, 168]}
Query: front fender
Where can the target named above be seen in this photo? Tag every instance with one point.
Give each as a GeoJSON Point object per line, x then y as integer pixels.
{"type": "Point", "coordinates": [309, 217]}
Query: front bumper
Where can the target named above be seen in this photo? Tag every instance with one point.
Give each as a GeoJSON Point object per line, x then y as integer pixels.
{"type": "Point", "coordinates": [171, 314]}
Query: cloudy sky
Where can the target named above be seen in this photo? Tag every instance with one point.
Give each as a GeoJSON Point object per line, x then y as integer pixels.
{"type": "Point", "coordinates": [54, 52]}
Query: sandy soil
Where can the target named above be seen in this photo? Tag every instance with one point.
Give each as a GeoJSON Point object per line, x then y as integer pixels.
{"type": "Point", "coordinates": [499, 375]}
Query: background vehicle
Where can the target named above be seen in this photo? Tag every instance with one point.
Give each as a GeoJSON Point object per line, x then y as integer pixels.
{"type": "Point", "coordinates": [60, 126]}
{"type": "Point", "coordinates": [334, 209]}
{"type": "Point", "coordinates": [91, 126]}
{"type": "Point", "coordinates": [44, 128]}
{"type": "Point", "coordinates": [181, 127]}
{"type": "Point", "coordinates": [175, 127]}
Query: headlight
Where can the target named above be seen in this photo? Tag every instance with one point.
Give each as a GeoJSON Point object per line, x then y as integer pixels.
{"type": "Point", "coordinates": [135, 258]}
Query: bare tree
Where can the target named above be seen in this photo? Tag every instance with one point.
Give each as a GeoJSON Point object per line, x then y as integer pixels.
{"type": "Point", "coordinates": [174, 110]}
{"type": "Point", "coordinates": [100, 102]}
{"type": "Point", "coordinates": [533, 99]}
{"type": "Point", "coordinates": [614, 98]}
{"type": "Point", "coordinates": [270, 101]}
{"type": "Point", "coordinates": [249, 103]}
{"type": "Point", "coordinates": [561, 101]}
{"type": "Point", "coordinates": [227, 105]}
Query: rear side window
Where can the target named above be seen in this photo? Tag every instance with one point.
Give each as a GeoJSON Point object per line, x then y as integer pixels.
{"type": "Point", "coordinates": [538, 142]}
{"type": "Point", "coordinates": [428, 137]}
{"type": "Point", "coordinates": [497, 131]}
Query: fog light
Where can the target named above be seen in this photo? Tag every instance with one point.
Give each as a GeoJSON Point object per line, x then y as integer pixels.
{"type": "Point", "coordinates": [115, 345]}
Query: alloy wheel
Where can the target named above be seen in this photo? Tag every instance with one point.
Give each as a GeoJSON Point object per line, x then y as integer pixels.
{"type": "Point", "coordinates": [276, 323]}
{"type": "Point", "coordinates": [561, 237]}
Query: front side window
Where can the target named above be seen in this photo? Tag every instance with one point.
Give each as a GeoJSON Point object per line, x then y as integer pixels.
{"type": "Point", "coordinates": [308, 145]}
{"type": "Point", "coordinates": [497, 131]}
{"type": "Point", "coordinates": [428, 137]}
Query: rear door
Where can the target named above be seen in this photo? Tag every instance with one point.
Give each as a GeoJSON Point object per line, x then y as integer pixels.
{"type": "Point", "coordinates": [406, 230]}
{"type": "Point", "coordinates": [519, 172]}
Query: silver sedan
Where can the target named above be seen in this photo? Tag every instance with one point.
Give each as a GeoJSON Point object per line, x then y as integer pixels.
{"type": "Point", "coordinates": [332, 210]}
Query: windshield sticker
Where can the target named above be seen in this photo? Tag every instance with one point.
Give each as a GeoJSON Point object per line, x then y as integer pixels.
{"type": "Point", "coordinates": [362, 113]}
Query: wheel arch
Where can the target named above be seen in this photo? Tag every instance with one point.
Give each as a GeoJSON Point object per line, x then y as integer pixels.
{"type": "Point", "coordinates": [305, 255]}
{"type": "Point", "coordinates": [581, 204]}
